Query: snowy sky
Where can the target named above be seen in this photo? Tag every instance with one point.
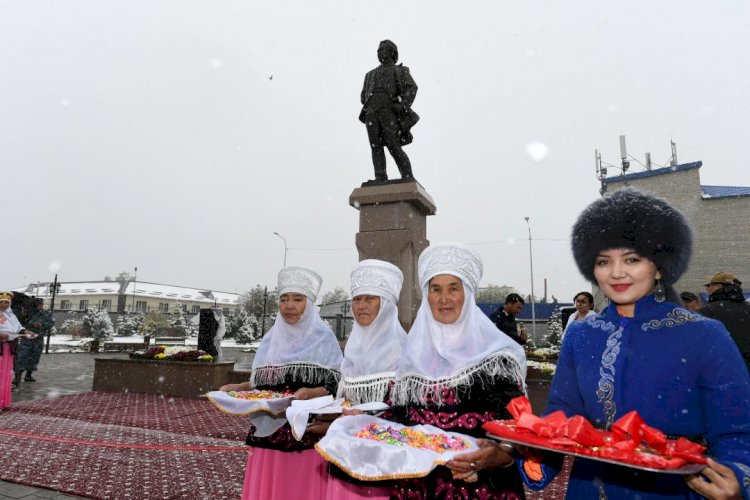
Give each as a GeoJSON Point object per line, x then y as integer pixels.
{"type": "Point", "coordinates": [150, 133]}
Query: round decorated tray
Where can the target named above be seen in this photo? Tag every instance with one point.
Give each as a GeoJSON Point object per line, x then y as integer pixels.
{"type": "Point", "coordinates": [641, 458]}
{"type": "Point", "coordinates": [248, 402]}
{"type": "Point", "coordinates": [374, 449]}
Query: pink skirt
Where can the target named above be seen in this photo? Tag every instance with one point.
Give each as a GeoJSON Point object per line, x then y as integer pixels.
{"type": "Point", "coordinates": [6, 375]}
{"type": "Point", "coordinates": [338, 489]}
{"type": "Point", "coordinates": [272, 474]}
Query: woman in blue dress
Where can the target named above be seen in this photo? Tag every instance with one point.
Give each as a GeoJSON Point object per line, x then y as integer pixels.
{"type": "Point", "coordinates": [679, 370]}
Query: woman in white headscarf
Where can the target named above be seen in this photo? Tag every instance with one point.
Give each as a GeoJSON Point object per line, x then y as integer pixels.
{"type": "Point", "coordinates": [458, 372]}
{"type": "Point", "coordinates": [300, 354]}
{"type": "Point", "coordinates": [371, 356]}
{"type": "Point", "coordinates": [10, 329]}
{"type": "Point", "coordinates": [377, 338]}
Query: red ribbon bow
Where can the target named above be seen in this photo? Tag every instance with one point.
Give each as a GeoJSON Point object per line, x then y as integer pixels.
{"type": "Point", "coordinates": [630, 440]}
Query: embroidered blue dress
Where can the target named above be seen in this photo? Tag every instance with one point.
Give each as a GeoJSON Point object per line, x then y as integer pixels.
{"type": "Point", "coordinates": [679, 370]}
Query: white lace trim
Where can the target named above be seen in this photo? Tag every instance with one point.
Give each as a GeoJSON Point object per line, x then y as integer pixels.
{"type": "Point", "coordinates": [421, 390]}
{"type": "Point", "coordinates": [309, 373]}
{"type": "Point", "coordinates": [366, 388]}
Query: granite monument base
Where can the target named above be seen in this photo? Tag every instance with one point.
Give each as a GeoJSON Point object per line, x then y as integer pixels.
{"type": "Point", "coordinates": [183, 379]}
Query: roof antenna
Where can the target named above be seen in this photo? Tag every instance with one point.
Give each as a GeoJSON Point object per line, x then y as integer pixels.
{"type": "Point", "coordinates": [648, 161]}
{"type": "Point", "coordinates": [673, 160]}
{"type": "Point", "coordinates": [624, 155]}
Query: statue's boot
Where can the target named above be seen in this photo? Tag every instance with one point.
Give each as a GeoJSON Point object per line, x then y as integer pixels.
{"type": "Point", "coordinates": [381, 175]}
{"type": "Point", "coordinates": [406, 173]}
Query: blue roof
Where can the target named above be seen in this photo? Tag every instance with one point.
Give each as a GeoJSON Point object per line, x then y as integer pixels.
{"type": "Point", "coordinates": [652, 173]}
{"type": "Point", "coordinates": [542, 311]}
{"type": "Point", "coordinates": [724, 191]}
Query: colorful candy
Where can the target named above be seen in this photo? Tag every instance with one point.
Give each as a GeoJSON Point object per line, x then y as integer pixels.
{"type": "Point", "coordinates": [405, 436]}
{"type": "Point", "coordinates": [256, 394]}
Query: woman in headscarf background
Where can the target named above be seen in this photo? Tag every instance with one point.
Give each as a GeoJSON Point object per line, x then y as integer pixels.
{"type": "Point", "coordinates": [299, 353]}
{"type": "Point", "coordinates": [458, 372]}
{"type": "Point", "coordinates": [371, 357]}
{"type": "Point", "coordinates": [584, 303]}
{"type": "Point", "coordinates": [679, 370]}
{"type": "Point", "coordinates": [10, 329]}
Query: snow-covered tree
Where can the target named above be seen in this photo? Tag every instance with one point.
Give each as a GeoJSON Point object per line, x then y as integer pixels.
{"type": "Point", "coordinates": [252, 301]}
{"type": "Point", "coordinates": [100, 324]}
{"type": "Point", "coordinates": [153, 321]}
{"type": "Point", "coordinates": [72, 326]}
{"type": "Point", "coordinates": [234, 322]}
{"type": "Point", "coordinates": [338, 294]}
{"type": "Point", "coordinates": [249, 331]}
{"type": "Point", "coordinates": [180, 321]}
{"type": "Point", "coordinates": [553, 338]}
{"type": "Point", "coordinates": [129, 325]}
{"type": "Point", "coordinates": [494, 294]}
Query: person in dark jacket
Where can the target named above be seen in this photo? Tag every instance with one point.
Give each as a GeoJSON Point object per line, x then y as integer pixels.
{"type": "Point", "coordinates": [505, 318]}
{"type": "Point", "coordinates": [726, 302]}
{"type": "Point", "coordinates": [30, 351]}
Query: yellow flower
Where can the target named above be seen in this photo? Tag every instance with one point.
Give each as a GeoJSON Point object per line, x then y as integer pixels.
{"type": "Point", "coordinates": [161, 355]}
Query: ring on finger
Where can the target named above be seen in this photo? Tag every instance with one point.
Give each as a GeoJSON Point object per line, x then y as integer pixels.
{"type": "Point", "coordinates": [473, 465]}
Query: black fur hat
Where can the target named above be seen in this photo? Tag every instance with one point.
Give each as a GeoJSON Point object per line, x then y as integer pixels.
{"type": "Point", "coordinates": [628, 218]}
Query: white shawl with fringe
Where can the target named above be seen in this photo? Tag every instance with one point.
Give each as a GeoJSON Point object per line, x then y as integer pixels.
{"type": "Point", "coordinates": [371, 356]}
{"type": "Point", "coordinates": [441, 356]}
{"type": "Point", "coordinates": [307, 351]}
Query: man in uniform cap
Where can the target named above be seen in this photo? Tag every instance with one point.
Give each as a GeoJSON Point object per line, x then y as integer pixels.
{"type": "Point", "coordinates": [690, 301]}
{"type": "Point", "coordinates": [726, 302]}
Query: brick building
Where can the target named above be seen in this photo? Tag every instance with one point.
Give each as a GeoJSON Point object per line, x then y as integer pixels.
{"type": "Point", "coordinates": [720, 216]}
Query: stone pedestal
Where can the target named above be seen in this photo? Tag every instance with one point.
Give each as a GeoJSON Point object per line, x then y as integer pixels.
{"type": "Point", "coordinates": [183, 379]}
{"type": "Point", "coordinates": [393, 227]}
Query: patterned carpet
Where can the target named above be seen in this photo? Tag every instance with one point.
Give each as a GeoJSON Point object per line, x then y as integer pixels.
{"type": "Point", "coordinates": [135, 446]}
{"type": "Point", "coordinates": [139, 446]}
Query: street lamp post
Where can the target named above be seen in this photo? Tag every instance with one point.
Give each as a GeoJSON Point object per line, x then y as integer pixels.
{"type": "Point", "coordinates": [55, 287]}
{"type": "Point", "coordinates": [135, 278]}
{"type": "Point", "coordinates": [531, 267]}
{"type": "Point", "coordinates": [286, 249]}
{"type": "Point", "coordinates": [263, 319]}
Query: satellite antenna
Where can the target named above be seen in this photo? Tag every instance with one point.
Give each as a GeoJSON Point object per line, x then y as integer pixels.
{"type": "Point", "coordinates": [624, 155]}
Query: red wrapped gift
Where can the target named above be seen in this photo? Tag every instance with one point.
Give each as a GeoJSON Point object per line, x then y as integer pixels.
{"type": "Point", "coordinates": [630, 442]}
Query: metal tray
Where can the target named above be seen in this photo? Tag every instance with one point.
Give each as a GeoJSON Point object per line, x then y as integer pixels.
{"type": "Point", "coordinates": [684, 470]}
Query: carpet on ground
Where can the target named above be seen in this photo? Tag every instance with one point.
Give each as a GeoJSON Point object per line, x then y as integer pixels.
{"type": "Point", "coordinates": [136, 446]}
{"type": "Point", "coordinates": [113, 445]}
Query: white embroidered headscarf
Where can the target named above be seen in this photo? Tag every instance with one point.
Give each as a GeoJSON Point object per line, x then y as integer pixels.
{"type": "Point", "coordinates": [441, 356]}
{"type": "Point", "coordinates": [372, 352]}
{"type": "Point", "coordinates": [8, 322]}
{"type": "Point", "coordinates": [308, 351]}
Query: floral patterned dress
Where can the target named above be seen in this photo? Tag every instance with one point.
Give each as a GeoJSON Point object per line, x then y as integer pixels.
{"type": "Point", "coordinates": [463, 410]}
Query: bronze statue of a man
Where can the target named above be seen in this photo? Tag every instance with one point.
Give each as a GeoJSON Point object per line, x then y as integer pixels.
{"type": "Point", "coordinates": [387, 96]}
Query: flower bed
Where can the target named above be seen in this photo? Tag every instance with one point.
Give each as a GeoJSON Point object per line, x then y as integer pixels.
{"type": "Point", "coordinates": [173, 353]}
{"type": "Point", "coordinates": [540, 370]}
{"type": "Point", "coordinates": [543, 354]}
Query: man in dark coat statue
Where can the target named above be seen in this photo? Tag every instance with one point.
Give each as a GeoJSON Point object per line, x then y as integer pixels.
{"type": "Point", "coordinates": [387, 96]}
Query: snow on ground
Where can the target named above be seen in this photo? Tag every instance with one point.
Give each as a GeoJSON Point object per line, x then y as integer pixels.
{"type": "Point", "coordinates": [68, 344]}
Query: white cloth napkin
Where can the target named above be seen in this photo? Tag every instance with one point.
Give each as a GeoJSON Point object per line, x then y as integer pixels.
{"type": "Point", "coordinates": [299, 411]}
{"type": "Point", "coordinates": [371, 460]}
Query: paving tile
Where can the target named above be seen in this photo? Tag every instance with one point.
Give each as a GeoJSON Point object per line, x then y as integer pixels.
{"type": "Point", "coordinates": [13, 490]}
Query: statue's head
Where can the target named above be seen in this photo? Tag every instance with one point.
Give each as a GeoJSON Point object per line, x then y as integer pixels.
{"type": "Point", "coordinates": [387, 50]}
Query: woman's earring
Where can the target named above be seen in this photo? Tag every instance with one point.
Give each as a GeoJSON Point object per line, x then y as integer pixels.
{"type": "Point", "coordinates": [660, 293]}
